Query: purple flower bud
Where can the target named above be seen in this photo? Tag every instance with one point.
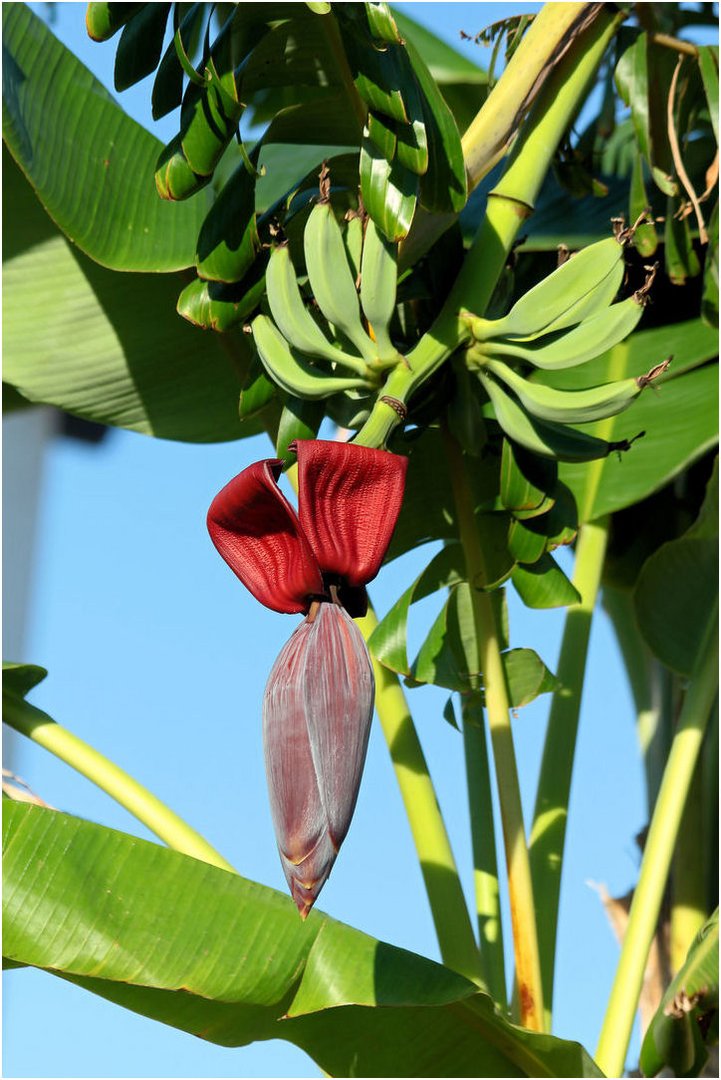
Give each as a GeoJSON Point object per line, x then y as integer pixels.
{"type": "Point", "coordinates": [317, 713]}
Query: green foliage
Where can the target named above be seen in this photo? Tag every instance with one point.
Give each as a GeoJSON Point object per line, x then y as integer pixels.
{"type": "Point", "coordinates": [101, 194]}
{"type": "Point", "coordinates": [194, 951]}
{"type": "Point", "coordinates": [90, 353]}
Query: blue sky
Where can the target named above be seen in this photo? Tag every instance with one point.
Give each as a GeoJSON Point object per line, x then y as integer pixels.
{"type": "Point", "coordinates": [158, 657]}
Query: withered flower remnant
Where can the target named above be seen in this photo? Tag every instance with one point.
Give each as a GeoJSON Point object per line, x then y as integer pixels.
{"type": "Point", "coordinates": [318, 702]}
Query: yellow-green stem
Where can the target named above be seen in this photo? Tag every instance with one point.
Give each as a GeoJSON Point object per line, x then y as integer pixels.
{"type": "Point", "coordinates": [440, 873]}
{"type": "Point", "coordinates": [483, 839]}
{"type": "Point", "coordinates": [688, 878]}
{"type": "Point", "coordinates": [662, 836]}
{"type": "Point", "coordinates": [554, 785]}
{"type": "Point", "coordinates": [520, 890]}
{"type": "Point", "coordinates": [144, 806]}
{"type": "Point", "coordinates": [497, 121]}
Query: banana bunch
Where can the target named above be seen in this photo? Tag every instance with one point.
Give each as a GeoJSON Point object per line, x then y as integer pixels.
{"type": "Point", "coordinates": [567, 319]}
{"type": "Point", "coordinates": [348, 353]}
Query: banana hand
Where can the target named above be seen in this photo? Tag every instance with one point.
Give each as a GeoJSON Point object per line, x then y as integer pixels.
{"type": "Point", "coordinates": [332, 280]}
{"type": "Point", "coordinates": [292, 317]}
{"type": "Point", "coordinates": [290, 371]}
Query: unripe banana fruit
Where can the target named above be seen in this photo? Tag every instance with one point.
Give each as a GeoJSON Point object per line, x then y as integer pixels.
{"type": "Point", "coordinates": [578, 289]}
{"type": "Point", "coordinates": [331, 278]}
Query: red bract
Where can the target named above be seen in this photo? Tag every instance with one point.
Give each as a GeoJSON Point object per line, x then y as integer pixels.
{"type": "Point", "coordinates": [349, 498]}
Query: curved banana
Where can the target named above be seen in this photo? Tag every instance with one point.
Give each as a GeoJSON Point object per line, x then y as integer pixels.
{"type": "Point", "coordinates": [567, 406]}
{"type": "Point", "coordinates": [291, 372]}
{"type": "Point", "coordinates": [292, 317]}
{"type": "Point", "coordinates": [576, 345]}
{"type": "Point", "coordinates": [541, 436]}
{"type": "Point", "coordinates": [354, 243]}
{"type": "Point", "coordinates": [379, 272]}
{"type": "Point", "coordinates": [331, 278]}
{"type": "Point", "coordinates": [554, 298]}
{"type": "Point", "coordinates": [599, 299]}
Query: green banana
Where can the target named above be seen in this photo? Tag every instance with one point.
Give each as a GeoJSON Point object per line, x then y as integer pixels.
{"type": "Point", "coordinates": [571, 347]}
{"type": "Point", "coordinates": [290, 371]}
{"type": "Point", "coordinates": [379, 271]}
{"type": "Point", "coordinates": [553, 300]}
{"type": "Point", "coordinates": [292, 317]}
{"type": "Point", "coordinates": [567, 406]}
{"type": "Point", "coordinates": [331, 278]}
{"type": "Point", "coordinates": [354, 243]}
{"type": "Point", "coordinates": [598, 299]}
{"type": "Point", "coordinates": [541, 436]}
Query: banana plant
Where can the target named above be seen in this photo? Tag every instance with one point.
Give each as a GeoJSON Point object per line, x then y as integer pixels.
{"type": "Point", "coordinates": [392, 249]}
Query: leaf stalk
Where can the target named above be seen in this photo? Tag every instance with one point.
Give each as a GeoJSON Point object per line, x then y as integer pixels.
{"type": "Point", "coordinates": [658, 853]}
{"type": "Point", "coordinates": [110, 778]}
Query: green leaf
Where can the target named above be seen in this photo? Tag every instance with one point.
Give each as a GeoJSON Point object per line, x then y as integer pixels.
{"type": "Point", "coordinates": [645, 238]}
{"type": "Point", "coordinates": [218, 956]}
{"type": "Point", "coordinates": [527, 481]}
{"type": "Point", "coordinates": [708, 66]}
{"type": "Point", "coordinates": [709, 301]}
{"type": "Point", "coordinates": [382, 24]}
{"type": "Point", "coordinates": [167, 91]}
{"type": "Point", "coordinates": [19, 679]}
{"type": "Point", "coordinates": [211, 305]}
{"type": "Point", "coordinates": [675, 597]}
{"type": "Point", "coordinates": [75, 337]}
{"type": "Point", "coordinates": [228, 240]}
{"type": "Point", "coordinates": [527, 677]}
{"type": "Point", "coordinates": [443, 187]}
{"type": "Point", "coordinates": [449, 714]}
{"type": "Point", "coordinates": [543, 584]}
{"type": "Point", "coordinates": [643, 79]}
{"type": "Point", "coordinates": [679, 1031]}
{"type": "Point", "coordinates": [140, 46]}
{"type": "Point", "coordinates": [101, 194]}
{"type": "Point", "coordinates": [444, 63]}
{"type": "Point", "coordinates": [388, 640]}
{"type": "Point", "coordinates": [679, 254]}
{"type": "Point", "coordinates": [389, 191]}
{"type": "Point", "coordinates": [449, 656]}
{"type": "Point", "coordinates": [102, 20]}
{"type": "Point", "coordinates": [679, 416]}
{"type": "Point", "coordinates": [463, 84]}
{"type": "Point", "coordinates": [258, 390]}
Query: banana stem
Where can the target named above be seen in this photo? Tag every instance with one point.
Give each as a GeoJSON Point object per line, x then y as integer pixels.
{"type": "Point", "coordinates": [520, 890]}
{"type": "Point", "coordinates": [509, 205]}
{"type": "Point", "coordinates": [662, 837]}
{"type": "Point", "coordinates": [110, 778]}
{"type": "Point", "coordinates": [497, 120]}
{"type": "Point", "coordinates": [551, 811]}
{"type": "Point", "coordinates": [483, 839]}
{"type": "Point", "coordinates": [688, 877]}
{"type": "Point", "coordinates": [440, 873]}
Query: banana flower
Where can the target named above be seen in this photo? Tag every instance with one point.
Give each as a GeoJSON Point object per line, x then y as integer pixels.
{"type": "Point", "coordinates": [318, 702]}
